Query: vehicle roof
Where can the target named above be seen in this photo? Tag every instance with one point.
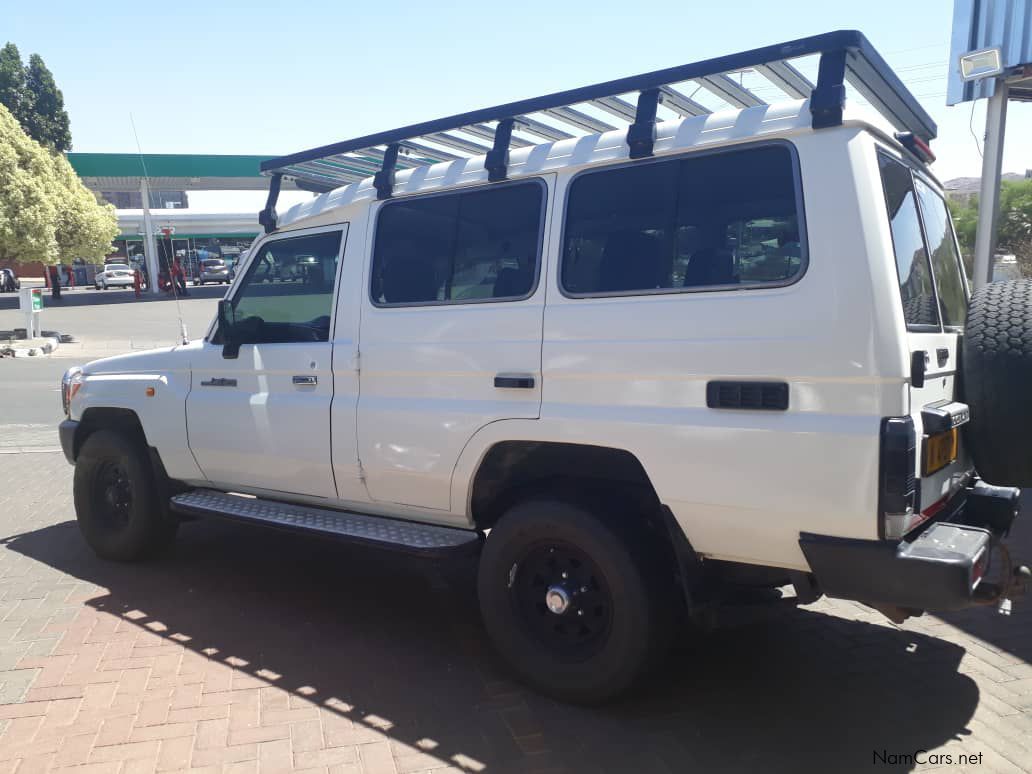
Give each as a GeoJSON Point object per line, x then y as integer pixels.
{"type": "Point", "coordinates": [784, 119]}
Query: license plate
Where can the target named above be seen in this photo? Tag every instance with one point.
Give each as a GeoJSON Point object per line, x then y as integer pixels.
{"type": "Point", "coordinates": [939, 451]}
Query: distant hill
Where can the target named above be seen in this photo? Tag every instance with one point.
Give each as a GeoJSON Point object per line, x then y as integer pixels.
{"type": "Point", "coordinates": [966, 186]}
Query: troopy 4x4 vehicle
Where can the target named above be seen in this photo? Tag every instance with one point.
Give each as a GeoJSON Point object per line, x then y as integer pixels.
{"type": "Point", "coordinates": [631, 367]}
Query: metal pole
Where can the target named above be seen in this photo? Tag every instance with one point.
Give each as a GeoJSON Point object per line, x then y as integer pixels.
{"type": "Point", "coordinates": [989, 194]}
{"type": "Point", "coordinates": [150, 247]}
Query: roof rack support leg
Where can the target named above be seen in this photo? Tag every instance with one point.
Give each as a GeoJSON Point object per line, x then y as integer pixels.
{"type": "Point", "coordinates": [828, 99]}
{"type": "Point", "coordinates": [383, 181]}
{"type": "Point", "coordinates": [641, 135]}
{"type": "Point", "coordinates": [267, 217]}
{"type": "Point", "coordinates": [497, 161]}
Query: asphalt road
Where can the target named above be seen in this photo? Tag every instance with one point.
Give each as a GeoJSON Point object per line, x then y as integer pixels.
{"type": "Point", "coordinates": [102, 323]}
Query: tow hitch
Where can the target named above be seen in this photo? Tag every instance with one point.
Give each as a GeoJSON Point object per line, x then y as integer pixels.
{"type": "Point", "coordinates": [1013, 583]}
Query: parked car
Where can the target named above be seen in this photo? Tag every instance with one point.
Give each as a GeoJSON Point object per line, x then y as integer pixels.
{"type": "Point", "coordinates": [9, 282]}
{"type": "Point", "coordinates": [630, 372]}
{"type": "Point", "coordinates": [213, 270]}
{"type": "Point", "coordinates": [114, 275]}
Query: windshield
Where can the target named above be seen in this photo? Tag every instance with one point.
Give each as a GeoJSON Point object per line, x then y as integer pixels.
{"type": "Point", "coordinates": [117, 267]}
{"type": "Point", "coordinates": [212, 264]}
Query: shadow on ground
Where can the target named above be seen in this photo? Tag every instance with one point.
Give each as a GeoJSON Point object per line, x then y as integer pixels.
{"type": "Point", "coordinates": [797, 690]}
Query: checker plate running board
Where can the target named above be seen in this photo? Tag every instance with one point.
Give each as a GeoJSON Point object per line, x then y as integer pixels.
{"type": "Point", "coordinates": [393, 534]}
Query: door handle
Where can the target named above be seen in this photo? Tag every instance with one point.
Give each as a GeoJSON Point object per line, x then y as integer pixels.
{"type": "Point", "coordinates": [514, 381]}
{"type": "Point", "coordinates": [218, 381]}
{"type": "Point", "coordinates": [305, 380]}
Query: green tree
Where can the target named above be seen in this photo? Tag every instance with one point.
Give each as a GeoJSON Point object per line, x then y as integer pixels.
{"type": "Point", "coordinates": [1013, 227]}
{"type": "Point", "coordinates": [27, 208]}
{"type": "Point", "coordinates": [46, 119]}
{"type": "Point", "coordinates": [12, 81]}
{"type": "Point", "coordinates": [46, 213]}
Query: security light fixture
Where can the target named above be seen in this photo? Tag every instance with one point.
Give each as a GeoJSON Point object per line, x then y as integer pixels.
{"type": "Point", "coordinates": [984, 63]}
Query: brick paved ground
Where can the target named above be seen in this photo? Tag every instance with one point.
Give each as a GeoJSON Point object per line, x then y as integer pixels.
{"type": "Point", "coordinates": [245, 650]}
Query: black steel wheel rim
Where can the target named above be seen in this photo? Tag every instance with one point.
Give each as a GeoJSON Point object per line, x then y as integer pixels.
{"type": "Point", "coordinates": [113, 496]}
{"type": "Point", "coordinates": [581, 629]}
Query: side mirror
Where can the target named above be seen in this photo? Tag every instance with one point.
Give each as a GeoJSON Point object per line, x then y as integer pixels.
{"type": "Point", "coordinates": [227, 325]}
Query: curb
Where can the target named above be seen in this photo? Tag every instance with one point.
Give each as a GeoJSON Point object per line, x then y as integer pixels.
{"type": "Point", "coordinates": [38, 348]}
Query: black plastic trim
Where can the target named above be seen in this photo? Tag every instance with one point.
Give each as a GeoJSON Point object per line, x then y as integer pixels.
{"type": "Point", "coordinates": [267, 217]}
{"type": "Point", "coordinates": [66, 432]}
{"type": "Point", "coordinates": [933, 572]}
{"type": "Point", "coordinates": [747, 395]}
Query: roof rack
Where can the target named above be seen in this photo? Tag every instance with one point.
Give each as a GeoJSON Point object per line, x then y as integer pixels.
{"type": "Point", "coordinates": [846, 56]}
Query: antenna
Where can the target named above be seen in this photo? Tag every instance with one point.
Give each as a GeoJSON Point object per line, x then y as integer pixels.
{"type": "Point", "coordinates": [171, 244]}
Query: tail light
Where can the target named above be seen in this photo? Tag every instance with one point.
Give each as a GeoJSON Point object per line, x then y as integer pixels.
{"type": "Point", "coordinates": [897, 496]}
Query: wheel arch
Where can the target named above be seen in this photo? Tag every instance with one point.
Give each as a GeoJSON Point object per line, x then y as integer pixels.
{"type": "Point", "coordinates": [510, 470]}
{"type": "Point", "coordinates": [126, 421]}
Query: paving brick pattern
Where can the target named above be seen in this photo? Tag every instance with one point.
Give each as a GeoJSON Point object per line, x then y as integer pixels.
{"type": "Point", "coordinates": [246, 650]}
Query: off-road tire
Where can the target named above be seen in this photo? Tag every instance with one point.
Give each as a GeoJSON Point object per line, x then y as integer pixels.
{"type": "Point", "coordinates": [996, 369]}
{"type": "Point", "coordinates": [639, 619]}
{"type": "Point", "coordinates": [122, 528]}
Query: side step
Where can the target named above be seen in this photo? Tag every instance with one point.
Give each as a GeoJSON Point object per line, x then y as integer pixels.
{"type": "Point", "coordinates": [392, 534]}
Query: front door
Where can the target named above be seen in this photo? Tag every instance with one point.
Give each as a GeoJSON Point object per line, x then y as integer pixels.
{"type": "Point", "coordinates": [261, 420]}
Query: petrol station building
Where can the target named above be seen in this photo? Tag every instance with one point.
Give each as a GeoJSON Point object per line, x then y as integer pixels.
{"type": "Point", "coordinates": [160, 227]}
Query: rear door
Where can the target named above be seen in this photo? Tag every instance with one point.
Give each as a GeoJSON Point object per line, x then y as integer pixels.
{"type": "Point", "coordinates": [934, 294]}
{"type": "Point", "coordinates": [450, 332]}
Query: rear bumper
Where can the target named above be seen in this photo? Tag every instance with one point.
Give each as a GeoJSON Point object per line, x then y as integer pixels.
{"type": "Point", "coordinates": [940, 568]}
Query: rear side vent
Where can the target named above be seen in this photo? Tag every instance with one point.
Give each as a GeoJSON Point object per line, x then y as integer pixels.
{"type": "Point", "coordinates": [756, 396]}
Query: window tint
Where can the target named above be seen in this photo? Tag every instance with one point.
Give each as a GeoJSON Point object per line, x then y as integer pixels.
{"type": "Point", "coordinates": [287, 295]}
{"type": "Point", "coordinates": [945, 261]}
{"type": "Point", "coordinates": [915, 276]}
{"type": "Point", "coordinates": [713, 220]}
{"type": "Point", "coordinates": [470, 246]}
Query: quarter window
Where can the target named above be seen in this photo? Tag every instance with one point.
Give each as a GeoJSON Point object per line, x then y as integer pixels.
{"type": "Point", "coordinates": [287, 294]}
{"type": "Point", "coordinates": [718, 220]}
{"type": "Point", "coordinates": [945, 261]}
{"type": "Point", "coordinates": [912, 266]}
{"type": "Point", "coordinates": [479, 245]}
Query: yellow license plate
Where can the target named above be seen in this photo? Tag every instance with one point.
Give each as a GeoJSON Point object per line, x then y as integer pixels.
{"type": "Point", "coordinates": [939, 451]}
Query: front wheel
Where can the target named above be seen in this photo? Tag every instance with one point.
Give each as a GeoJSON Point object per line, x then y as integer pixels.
{"type": "Point", "coordinates": [116, 499]}
{"type": "Point", "coordinates": [575, 606]}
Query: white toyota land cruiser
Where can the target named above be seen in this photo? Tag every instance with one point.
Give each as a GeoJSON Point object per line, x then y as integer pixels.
{"type": "Point", "coordinates": [631, 349]}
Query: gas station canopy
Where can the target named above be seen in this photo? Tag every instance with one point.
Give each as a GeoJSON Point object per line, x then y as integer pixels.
{"type": "Point", "coordinates": [167, 171]}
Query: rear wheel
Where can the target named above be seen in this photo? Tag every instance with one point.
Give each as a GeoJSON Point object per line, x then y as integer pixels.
{"type": "Point", "coordinates": [116, 499]}
{"type": "Point", "coordinates": [997, 369]}
{"type": "Point", "coordinates": [574, 605]}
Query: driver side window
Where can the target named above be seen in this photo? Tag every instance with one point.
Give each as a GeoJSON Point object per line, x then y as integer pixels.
{"type": "Point", "coordinates": [287, 294]}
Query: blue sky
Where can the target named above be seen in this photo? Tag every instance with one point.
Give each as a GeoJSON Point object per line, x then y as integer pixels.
{"type": "Point", "coordinates": [257, 77]}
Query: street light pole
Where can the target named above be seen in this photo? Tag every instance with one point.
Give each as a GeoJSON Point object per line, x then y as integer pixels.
{"type": "Point", "coordinates": [989, 193]}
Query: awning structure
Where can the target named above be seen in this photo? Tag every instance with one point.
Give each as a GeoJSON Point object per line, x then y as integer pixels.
{"type": "Point", "coordinates": [631, 104]}
{"type": "Point", "coordinates": [169, 171]}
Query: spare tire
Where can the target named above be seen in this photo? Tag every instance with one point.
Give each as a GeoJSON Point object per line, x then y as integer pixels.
{"type": "Point", "coordinates": [996, 369]}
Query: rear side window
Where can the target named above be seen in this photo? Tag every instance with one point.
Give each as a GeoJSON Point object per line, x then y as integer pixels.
{"type": "Point", "coordinates": [945, 260]}
{"type": "Point", "coordinates": [719, 220]}
{"type": "Point", "coordinates": [915, 275]}
{"type": "Point", "coordinates": [479, 245]}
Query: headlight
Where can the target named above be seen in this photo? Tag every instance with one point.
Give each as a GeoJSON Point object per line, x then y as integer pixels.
{"type": "Point", "coordinates": [70, 384]}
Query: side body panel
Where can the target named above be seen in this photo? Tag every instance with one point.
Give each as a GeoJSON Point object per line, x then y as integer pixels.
{"type": "Point", "coordinates": [631, 372]}
{"type": "Point", "coordinates": [122, 382]}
